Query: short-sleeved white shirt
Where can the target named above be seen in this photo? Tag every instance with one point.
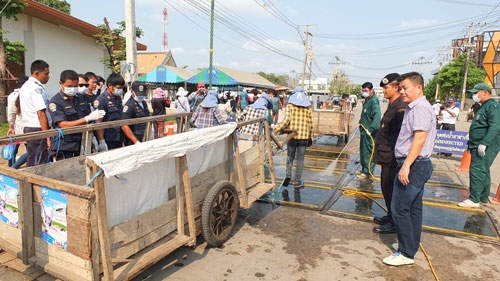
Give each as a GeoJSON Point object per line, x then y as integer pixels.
{"type": "Point", "coordinates": [33, 97]}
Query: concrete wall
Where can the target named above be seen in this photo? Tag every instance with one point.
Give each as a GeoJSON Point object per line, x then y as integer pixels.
{"type": "Point", "coordinates": [60, 47]}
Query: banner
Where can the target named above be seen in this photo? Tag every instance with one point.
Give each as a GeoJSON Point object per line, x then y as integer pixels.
{"type": "Point", "coordinates": [9, 213]}
{"type": "Point", "coordinates": [454, 142]}
{"type": "Point", "coordinates": [54, 223]}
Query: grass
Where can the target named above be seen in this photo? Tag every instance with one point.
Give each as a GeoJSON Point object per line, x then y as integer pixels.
{"type": "Point", "coordinates": [4, 127]}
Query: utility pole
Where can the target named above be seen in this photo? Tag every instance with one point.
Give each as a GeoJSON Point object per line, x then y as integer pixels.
{"type": "Point", "coordinates": [421, 61]}
{"type": "Point", "coordinates": [466, 72]}
{"type": "Point", "coordinates": [212, 10]}
{"type": "Point", "coordinates": [131, 44]}
{"type": "Point", "coordinates": [310, 72]}
{"type": "Point", "coordinates": [306, 50]}
{"type": "Point", "coordinates": [442, 58]}
{"type": "Point", "coordinates": [335, 74]}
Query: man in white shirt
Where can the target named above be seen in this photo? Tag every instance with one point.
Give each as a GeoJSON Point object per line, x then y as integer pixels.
{"type": "Point", "coordinates": [436, 107]}
{"type": "Point", "coordinates": [34, 100]}
{"type": "Point", "coordinates": [449, 117]}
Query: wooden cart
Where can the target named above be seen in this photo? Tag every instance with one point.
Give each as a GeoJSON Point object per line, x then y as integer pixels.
{"type": "Point", "coordinates": [332, 122]}
{"type": "Point", "coordinates": [114, 231]}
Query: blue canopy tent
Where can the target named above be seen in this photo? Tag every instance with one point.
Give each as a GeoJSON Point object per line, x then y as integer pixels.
{"type": "Point", "coordinates": [165, 74]}
{"type": "Point", "coordinates": [219, 78]}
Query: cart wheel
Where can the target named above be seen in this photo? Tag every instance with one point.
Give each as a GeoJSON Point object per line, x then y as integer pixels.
{"type": "Point", "coordinates": [219, 212]}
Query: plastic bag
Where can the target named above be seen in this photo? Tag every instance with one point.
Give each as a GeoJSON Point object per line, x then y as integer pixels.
{"type": "Point", "coordinates": [7, 152]}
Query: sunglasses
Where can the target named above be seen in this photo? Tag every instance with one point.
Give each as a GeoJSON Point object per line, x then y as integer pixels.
{"type": "Point", "coordinates": [83, 85]}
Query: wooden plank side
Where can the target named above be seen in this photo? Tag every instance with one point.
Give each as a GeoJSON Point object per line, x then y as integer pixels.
{"type": "Point", "coordinates": [180, 196]}
{"type": "Point", "coordinates": [79, 237]}
{"type": "Point", "coordinates": [69, 170]}
{"type": "Point", "coordinates": [94, 238]}
{"type": "Point", "coordinates": [189, 199]}
{"type": "Point", "coordinates": [26, 220]}
{"type": "Point", "coordinates": [143, 224]}
{"type": "Point", "coordinates": [78, 207]}
{"type": "Point", "coordinates": [63, 265]}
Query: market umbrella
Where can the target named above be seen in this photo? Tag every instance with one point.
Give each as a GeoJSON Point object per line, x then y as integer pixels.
{"type": "Point", "coordinates": [219, 77]}
{"type": "Point", "coordinates": [161, 74]}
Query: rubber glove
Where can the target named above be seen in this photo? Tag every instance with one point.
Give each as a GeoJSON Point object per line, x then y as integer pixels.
{"type": "Point", "coordinates": [94, 115]}
{"type": "Point", "coordinates": [95, 144]}
{"type": "Point", "coordinates": [102, 146]}
{"type": "Point", "coordinates": [481, 150]}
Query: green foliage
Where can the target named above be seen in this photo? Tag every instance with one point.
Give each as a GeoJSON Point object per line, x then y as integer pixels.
{"type": "Point", "coordinates": [60, 5]}
{"type": "Point", "coordinates": [110, 38]}
{"type": "Point", "coordinates": [430, 89]}
{"type": "Point", "coordinates": [13, 51]}
{"type": "Point", "coordinates": [275, 79]}
{"type": "Point", "coordinates": [451, 77]}
{"type": "Point", "coordinates": [12, 9]}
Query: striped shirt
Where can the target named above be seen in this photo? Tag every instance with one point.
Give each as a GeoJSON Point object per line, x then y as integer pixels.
{"type": "Point", "coordinates": [297, 118]}
{"type": "Point", "coordinates": [207, 117]}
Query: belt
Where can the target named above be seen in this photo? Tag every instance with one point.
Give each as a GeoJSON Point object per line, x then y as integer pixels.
{"type": "Point", "coordinates": [420, 159]}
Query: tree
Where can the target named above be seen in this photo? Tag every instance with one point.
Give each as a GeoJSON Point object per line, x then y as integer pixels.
{"type": "Point", "coordinates": [430, 88]}
{"type": "Point", "coordinates": [111, 39]}
{"type": "Point", "coordinates": [11, 9]}
{"type": "Point", "coordinates": [60, 5]}
{"type": "Point", "coordinates": [451, 77]}
{"type": "Point", "coordinates": [275, 79]}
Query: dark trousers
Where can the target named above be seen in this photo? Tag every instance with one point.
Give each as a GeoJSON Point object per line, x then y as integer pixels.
{"type": "Point", "coordinates": [37, 149]}
{"type": "Point", "coordinates": [387, 176]}
{"type": "Point", "coordinates": [479, 174]}
{"type": "Point", "coordinates": [448, 127]}
{"type": "Point", "coordinates": [406, 206]}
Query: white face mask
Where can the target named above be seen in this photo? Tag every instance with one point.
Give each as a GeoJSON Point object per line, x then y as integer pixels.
{"type": "Point", "coordinates": [365, 94]}
{"type": "Point", "coordinates": [82, 90]}
{"type": "Point", "coordinates": [118, 92]}
{"type": "Point", "coordinates": [95, 91]}
{"type": "Point", "coordinates": [139, 99]}
{"type": "Point", "coordinates": [71, 91]}
{"type": "Point", "coordinates": [475, 97]}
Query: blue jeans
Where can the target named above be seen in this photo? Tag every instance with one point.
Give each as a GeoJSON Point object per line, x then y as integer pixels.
{"type": "Point", "coordinates": [293, 149]}
{"type": "Point", "coordinates": [406, 205]}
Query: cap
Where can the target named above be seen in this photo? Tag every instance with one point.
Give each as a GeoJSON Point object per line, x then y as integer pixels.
{"type": "Point", "coordinates": [438, 101]}
{"type": "Point", "coordinates": [480, 87]}
{"type": "Point", "coordinates": [201, 84]}
{"type": "Point", "coordinates": [139, 88]}
{"type": "Point", "coordinates": [389, 78]}
{"type": "Point", "coordinates": [452, 99]}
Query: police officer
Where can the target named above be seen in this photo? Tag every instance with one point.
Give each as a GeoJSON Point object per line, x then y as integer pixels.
{"type": "Point", "coordinates": [111, 102]}
{"type": "Point", "coordinates": [68, 108]}
{"type": "Point", "coordinates": [369, 125]}
{"type": "Point", "coordinates": [135, 107]}
{"type": "Point", "coordinates": [484, 144]}
{"type": "Point", "coordinates": [390, 125]}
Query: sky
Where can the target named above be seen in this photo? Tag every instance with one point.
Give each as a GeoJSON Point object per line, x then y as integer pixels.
{"type": "Point", "coordinates": [365, 39]}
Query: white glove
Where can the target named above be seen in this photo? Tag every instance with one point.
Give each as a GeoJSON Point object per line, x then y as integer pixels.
{"type": "Point", "coordinates": [481, 150]}
{"type": "Point", "coordinates": [95, 144]}
{"type": "Point", "coordinates": [137, 142]}
{"type": "Point", "coordinates": [94, 115]}
{"type": "Point", "coordinates": [102, 146]}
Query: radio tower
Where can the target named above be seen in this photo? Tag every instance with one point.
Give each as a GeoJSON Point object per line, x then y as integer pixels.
{"type": "Point", "coordinates": [165, 41]}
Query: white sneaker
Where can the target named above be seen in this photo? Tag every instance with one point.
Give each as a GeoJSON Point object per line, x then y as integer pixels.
{"type": "Point", "coordinates": [469, 204]}
{"type": "Point", "coordinates": [398, 259]}
{"type": "Point", "coordinates": [362, 176]}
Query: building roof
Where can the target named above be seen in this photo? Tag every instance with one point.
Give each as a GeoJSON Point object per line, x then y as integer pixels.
{"type": "Point", "coordinates": [56, 17]}
{"type": "Point", "coordinates": [146, 61]}
{"type": "Point", "coordinates": [247, 78]}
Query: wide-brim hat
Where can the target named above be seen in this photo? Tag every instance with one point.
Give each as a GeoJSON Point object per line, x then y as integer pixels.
{"type": "Point", "coordinates": [181, 92]}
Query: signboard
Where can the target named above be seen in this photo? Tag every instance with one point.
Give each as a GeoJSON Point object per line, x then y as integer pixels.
{"type": "Point", "coordinates": [54, 223]}
{"type": "Point", "coordinates": [9, 213]}
{"type": "Point", "coordinates": [454, 142]}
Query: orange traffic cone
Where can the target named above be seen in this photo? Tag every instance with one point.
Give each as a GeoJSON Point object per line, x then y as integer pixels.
{"type": "Point", "coordinates": [496, 200]}
{"type": "Point", "coordinates": [465, 164]}
{"type": "Point", "coordinates": [170, 128]}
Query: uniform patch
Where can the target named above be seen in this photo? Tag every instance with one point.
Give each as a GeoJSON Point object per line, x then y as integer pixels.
{"type": "Point", "coordinates": [478, 116]}
{"type": "Point", "coordinates": [38, 91]}
{"type": "Point", "coordinates": [364, 110]}
{"type": "Point", "coordinates": [52, 107]}
{"type": "Point", "coordinates": [68, 107]}
{"type": "Point", "coordinates": [96, 103]}
{"type": "Point", "coordinates": [383, 125]}
{"type": "Point", "coordinates": [125, 108]}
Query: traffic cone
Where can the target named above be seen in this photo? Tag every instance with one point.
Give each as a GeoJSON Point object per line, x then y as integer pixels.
{"type": "Point", "coordinates": [465, 164]}
{"type": "Point", "coordinates": [496, 200]}
{"type": "Point", "coordinates": [170, 128]}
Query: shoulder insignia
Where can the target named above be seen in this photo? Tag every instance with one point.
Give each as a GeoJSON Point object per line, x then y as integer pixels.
{"type": "Point", "coordinates": [383, 125]}
{"type": "Point", "coordinates": [125, 108]}
{"type": "Point", "coordinates": [401, 110]}
{"type": "Point", "coordinates": [52, 107]}
{"type": "Point", "coordinates": [108, 97]}
{"type": "Point", "coordinates": [96, 103]}
{"type": "Point", "coordinates": [68, 107]}
{"type": "Point", "coordinates": [38, 91]}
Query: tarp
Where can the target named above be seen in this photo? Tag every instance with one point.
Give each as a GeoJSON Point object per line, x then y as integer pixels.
{"type": "Point", "coordinates": [223, 76]}
{"type": "Point", "coordinates": [130, 158]}
{"type": "Point", "coordinates": [166, 74]}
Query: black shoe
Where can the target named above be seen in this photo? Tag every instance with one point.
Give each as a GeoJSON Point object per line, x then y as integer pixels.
{"type": "Point", "coordinates": [381, 220]}
{"type": "Point", "coordinates": [286, 181]}
{"type": "Point", "coordinates": [386, 228]}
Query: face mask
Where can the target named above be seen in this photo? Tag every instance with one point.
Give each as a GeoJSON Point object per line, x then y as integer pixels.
{"type": "Point", "coordinates": [139, 99]}
{"type": "Point", "coordinates": [95, 91]}
{"type": "Point", "coordinates": [118, 92]}
{"type": "Point", "coordinates": [365, 94]}
{"type": "Point", "coordinates": [71, 91]}
{"type": "Point", "coordinates": [475, 98]}
{"type": "Point", "coordinates": [82, 90]}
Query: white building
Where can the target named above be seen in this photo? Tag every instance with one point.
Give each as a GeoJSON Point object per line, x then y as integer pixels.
{"type": "Point", "coordinates": [318, 84]}
{"type": "Point", "coordinates": [61, 40]}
